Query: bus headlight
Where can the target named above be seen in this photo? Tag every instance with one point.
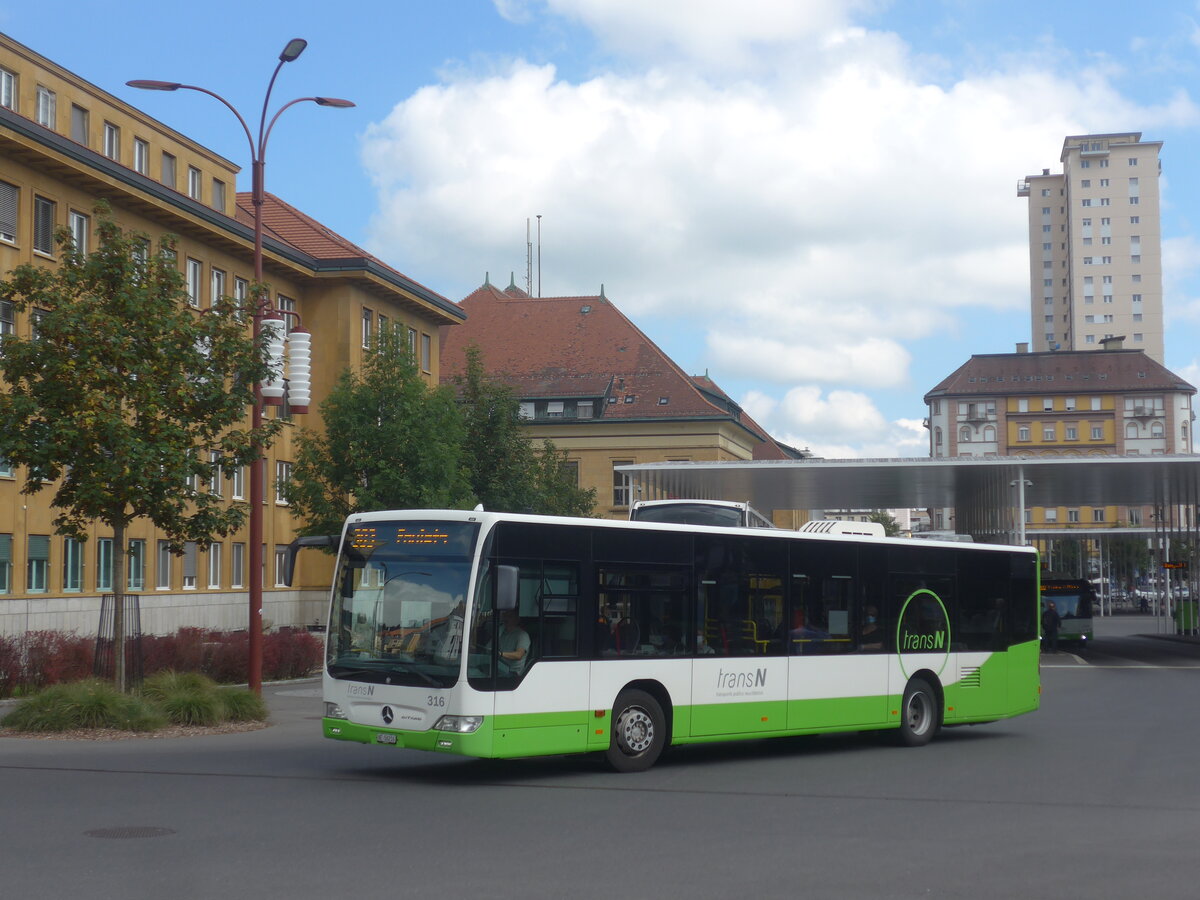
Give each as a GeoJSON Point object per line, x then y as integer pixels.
{"type": "Point", "coordinates": [459, 724]}
{"type": "Point", "coordinates": [333, 711]}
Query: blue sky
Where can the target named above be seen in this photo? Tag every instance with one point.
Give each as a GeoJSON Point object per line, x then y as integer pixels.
{"type": "Point", "coordinates": [812, 201]}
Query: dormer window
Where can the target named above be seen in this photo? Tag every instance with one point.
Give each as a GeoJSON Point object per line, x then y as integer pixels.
{"type": "Point", "coordinates": [554, 409]}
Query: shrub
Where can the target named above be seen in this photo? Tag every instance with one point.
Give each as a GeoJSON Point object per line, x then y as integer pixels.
{"type": "Point", "coordinates": [241, 705]}
{"type": "Point", "coordinates": [290, 653]}
{"type": "Point", "coordinates": [83, 704]}
{"type": "Point", "coordinates": [164, 684]}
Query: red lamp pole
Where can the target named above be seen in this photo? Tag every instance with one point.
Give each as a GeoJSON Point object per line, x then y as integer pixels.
{"type": "Point", "coordinates": [263, 307]}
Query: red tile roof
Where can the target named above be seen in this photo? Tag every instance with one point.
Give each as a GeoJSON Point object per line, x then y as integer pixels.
{"type": "Point", "coordinates": [562, 347]}
{"type": "Point", "coordinates": [285, 223]}
{"type": "Point", "coordinates": [1059, 372]}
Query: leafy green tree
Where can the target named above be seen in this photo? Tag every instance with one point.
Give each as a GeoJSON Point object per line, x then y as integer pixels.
{"type": "Point", "coordinates": [388, 442]}
{"type": "Point", "coordinates": [891, 527]}
{"type": "Point", "coordinates": [505, 471]}
{"type": "Point", "coordinates": [123, 396]}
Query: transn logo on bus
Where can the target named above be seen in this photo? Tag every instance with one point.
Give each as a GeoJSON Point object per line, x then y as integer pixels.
{"type": "Point", "coordinates": [935, 641]}
{"type": "Point", "coordinates": [923, 628]}
{"type": "Point", "coordinates": [730, 681]}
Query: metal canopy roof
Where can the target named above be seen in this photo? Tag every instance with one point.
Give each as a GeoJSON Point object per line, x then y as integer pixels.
{"type": "Point", "coordinates": [977, 488]}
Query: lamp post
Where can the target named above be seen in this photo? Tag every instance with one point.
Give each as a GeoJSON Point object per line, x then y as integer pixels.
{"type": "Point", "coordinates": [263, 309]}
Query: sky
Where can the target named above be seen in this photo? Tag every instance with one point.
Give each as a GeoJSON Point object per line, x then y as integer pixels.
{"type": "Point", "coordinates": [812, 201]}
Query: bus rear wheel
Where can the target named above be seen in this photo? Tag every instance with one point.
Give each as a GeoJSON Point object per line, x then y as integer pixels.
{"type": "Point", "coordinates": [919, 717]}
{"type": "Point", "coordinates": [639, 732]}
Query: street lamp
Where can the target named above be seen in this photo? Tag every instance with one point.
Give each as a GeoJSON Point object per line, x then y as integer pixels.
{"type": "Point", "coordinates": [264, 310]}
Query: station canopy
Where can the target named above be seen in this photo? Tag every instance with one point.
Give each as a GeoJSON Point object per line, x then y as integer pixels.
{"type": "Point", "coordinates": [986, 493]}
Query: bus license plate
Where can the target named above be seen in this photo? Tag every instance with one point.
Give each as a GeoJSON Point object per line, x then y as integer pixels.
{"type": "Point", "coordinates": [385, 738]}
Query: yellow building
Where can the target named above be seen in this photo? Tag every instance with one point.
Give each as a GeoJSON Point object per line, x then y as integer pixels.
{"type": "Point", "coordinates": [64, 144]}
{"type": "Point", "coordinates": [589, 380]}
{"type": "Point", "coordinates": [1082, 403]}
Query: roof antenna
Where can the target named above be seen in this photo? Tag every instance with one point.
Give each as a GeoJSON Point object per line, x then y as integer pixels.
{"type": "Point", "coordinates": [539, 237]}
{"type": "Point", "coordinates": [528, 260]}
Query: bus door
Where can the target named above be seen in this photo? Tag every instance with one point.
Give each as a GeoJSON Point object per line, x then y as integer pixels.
{"type": "Point", "coordinates": [739, 674]}
{"type": "Point", "coordinates": [836, 640]}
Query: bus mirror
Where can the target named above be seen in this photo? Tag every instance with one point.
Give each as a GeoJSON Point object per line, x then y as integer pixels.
{"type": "Point", "coordinates": [322, 540]}
{"type": "Point", "coordinates": [507, 581]}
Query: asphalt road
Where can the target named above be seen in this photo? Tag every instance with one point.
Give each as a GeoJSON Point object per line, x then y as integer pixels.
{"type": "Point", "coordinates": [1097, 795]}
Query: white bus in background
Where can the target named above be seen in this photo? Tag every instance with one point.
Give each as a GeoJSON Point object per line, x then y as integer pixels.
{"type": "Point", "coordinates": [721, 513]}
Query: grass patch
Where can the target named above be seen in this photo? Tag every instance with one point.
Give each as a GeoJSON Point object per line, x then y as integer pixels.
{"type": "Point", "coordinates": [84, 704]}
{"type": "Point", "coordinates": [175, 698]}
{"type": "Point", "coordinates": [242, 705]}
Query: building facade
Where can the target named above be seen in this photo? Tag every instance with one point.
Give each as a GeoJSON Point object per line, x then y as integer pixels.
{"type": "Point", "coordinates": [1065, 403]}
{"type": "Point", "coordinates": [590, 381]}
{"type": "Point", "coordinates": [1095, 246]}
{"type": "Point", "coordinates": [64, 144]}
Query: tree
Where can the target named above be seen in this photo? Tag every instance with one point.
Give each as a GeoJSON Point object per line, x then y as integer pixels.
{"type": "Point", "coordinates": [387, 442]}
{"type": "Point", "coordinates": [123, 395]}
{"type": "Point", "coordinates": [891, 527]}
{"type": "Point", "coordinates": [505, 471]}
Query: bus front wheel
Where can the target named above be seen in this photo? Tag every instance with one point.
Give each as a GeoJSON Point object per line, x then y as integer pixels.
{"type": "Point", "coordinates": [639, 732]}
{"type": "Point", "coordinates": [918, 713]}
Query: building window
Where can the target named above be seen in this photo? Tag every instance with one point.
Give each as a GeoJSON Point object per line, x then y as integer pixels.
{"type": "Point", "coordinates": [368, 318]}
{"type": "Point", "coordinates": [37, 565]}
{"type": "Point", "coordinates": [195, 182]}
{"type": "Point", "coordinates": [9, 194]}
{"type": "Point", "coordinates": [8, 89]}
{"type": "Point", "coordinates": [1097, 432]}
{"type": "Point", "coordinates": [80, 226]}
{"type": "Point", "coordinates": [1097, 515]}
{"type": "Point", "coordinates": [46, 106]}
{"type": "Point", "coordinates": [620, 486]}
{"type": "Point", "coordinates": [218, 286]}
{"type": "Point", "coordinates": [112, 141]}
{"type": "Point", "coordinates": [281, 555]}
{"type": "Point", "coordinates": [237, 565]}
{"type": "Point", "coordinates": [190, 562]}
{"type": "Point", "coordinates": [214, 477]}
{"type": "Point", "coordinates": [141, 156]}
{"type": "Point", "coordinates": [72, 566]}
{"type": "Point", "coordinates": [1023, 433]}
{"type": "Point", "coordinates": [1051, 515]}
{"type": "Point", "coordinates": [5, 558]}
{"type": "Point", "coordinates": [238, 486]}
{"type": "Point", "coordinates": [1133, 160]}
{"type": "Point", "coordinates": [104, 564]}
{"type": "Point", "coordinates": [43, 225]}
{"type": "Point", "coordinates": [964, 435]}
{"type": "Point", "coordinates": [1049, 433]}
{"type": "Point", "coordinates": [162, 575]}
{"type": "Point", "coordinates": [283, 474]}
{"type": "Point", "coordinates": [1072, 515]}
{"type": "Point", "coordinates": [168, 170]}
{"type": "Point", "coordinates": [426, 353]}
{"type": "Point", "coordinates": [195, 270]}
{"type": "Point", "coordinates": [135, 565]}
{"type": "Point", "coordinates": [79, 124]}
{"type": "Point", "coordinates": [214, 565]}
{"type": "Point", "coordinates": [218, 194]}
{"type": "Point", "coordinates": [1072, 433]}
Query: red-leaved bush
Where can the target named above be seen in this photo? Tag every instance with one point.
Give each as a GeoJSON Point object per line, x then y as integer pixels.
{"type": "Point", "coordinates": [37, 659]}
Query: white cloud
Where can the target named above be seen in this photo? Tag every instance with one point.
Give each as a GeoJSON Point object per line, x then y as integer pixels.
{"type": "Point", "coordinates": [811, 220]}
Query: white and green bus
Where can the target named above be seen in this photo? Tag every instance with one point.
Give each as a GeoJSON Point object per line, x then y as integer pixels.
{"type": "Point", "coordinates": [499, 635]}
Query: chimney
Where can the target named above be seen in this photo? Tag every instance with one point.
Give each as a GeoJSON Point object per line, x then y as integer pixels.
{"type": "Point", "coordinates": [1116, 342]}
{"type": "Point", "coordinates": [1045, 171]}
{"type": "Point", "coordinates": [1023, 348]}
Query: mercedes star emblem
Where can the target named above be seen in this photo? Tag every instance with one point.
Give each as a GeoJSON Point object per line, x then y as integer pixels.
{"type": "Point", "coordinates": [387, 714]}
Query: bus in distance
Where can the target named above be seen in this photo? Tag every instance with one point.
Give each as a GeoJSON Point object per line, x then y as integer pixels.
{"type": "Point", "coordinates": [723, 513]}
{"type": "Point", "coordinates": [499, 635]}
{"type": "Point", "coordinates": [1073, 599]}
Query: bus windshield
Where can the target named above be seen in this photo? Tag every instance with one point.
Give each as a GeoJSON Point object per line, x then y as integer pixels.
{"type": "Point", "coordinates": [398, 605]}
{"type": "Point", "coordinates": [691, 514]}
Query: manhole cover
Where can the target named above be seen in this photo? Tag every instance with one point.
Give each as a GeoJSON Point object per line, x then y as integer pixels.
{"type": "Point", "coordinates": [130, 831]}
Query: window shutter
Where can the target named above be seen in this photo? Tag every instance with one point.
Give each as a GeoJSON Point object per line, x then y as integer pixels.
{"type": "Point", "coordinates": [8, 211]}
{"type": "Point", "coordinates": [39, 546]}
